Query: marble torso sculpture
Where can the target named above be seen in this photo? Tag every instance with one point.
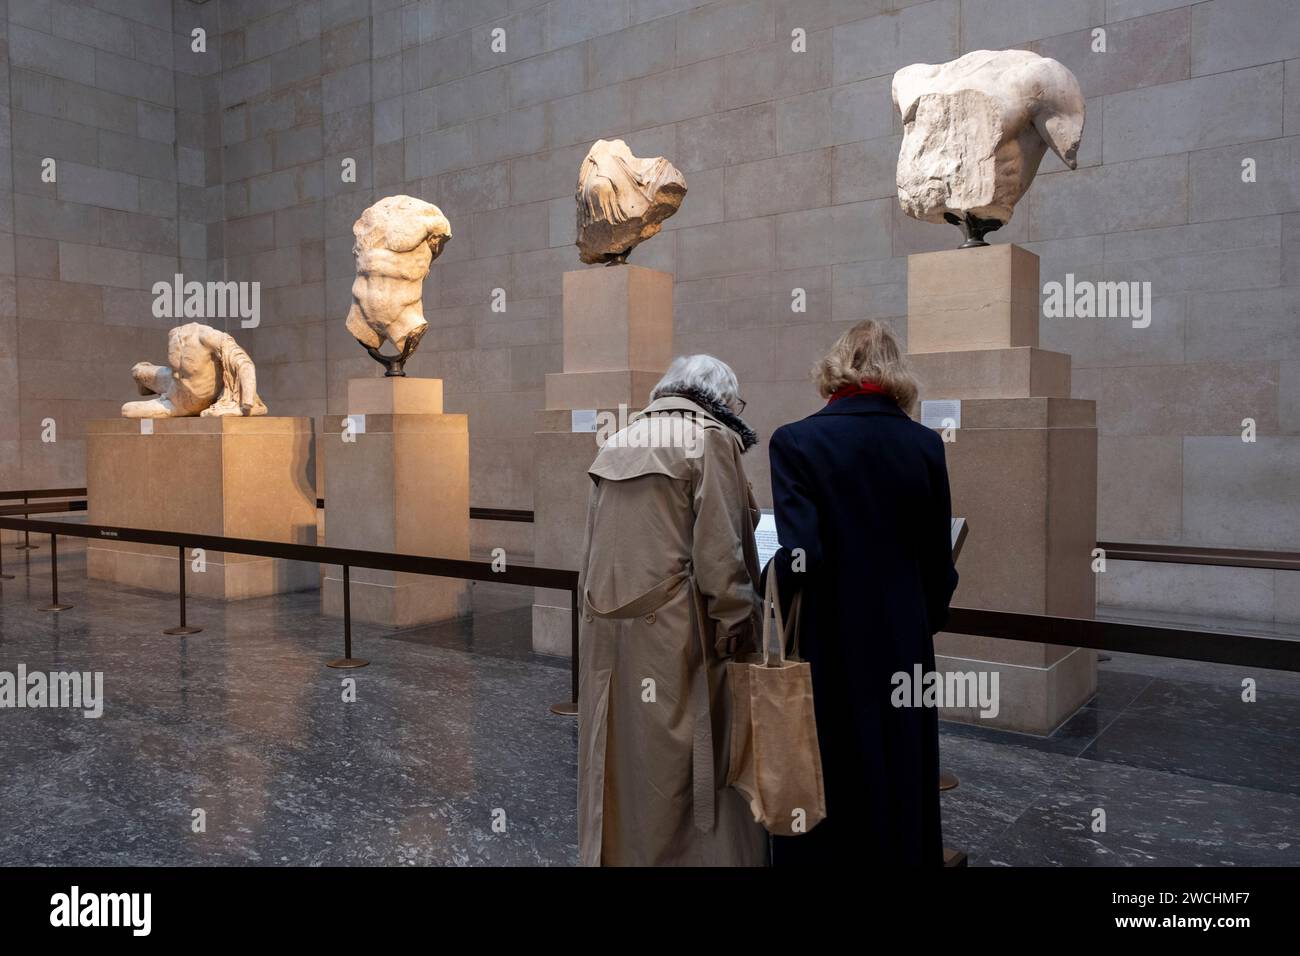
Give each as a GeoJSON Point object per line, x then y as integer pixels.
{"type": "Point", "coordinates": [975, 130]}
{"type": "Point", "coordinates": [396, 240]}
{"type": "Point", "coordinates": [622, 200]}
{"type": "Point", "coordinates": [207, 373]}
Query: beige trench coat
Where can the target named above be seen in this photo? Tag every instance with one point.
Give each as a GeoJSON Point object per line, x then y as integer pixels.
{"type": "Point", "coordinates": [668, 594]}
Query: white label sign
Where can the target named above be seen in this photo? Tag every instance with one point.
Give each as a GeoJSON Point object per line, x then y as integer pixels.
{"type": "Point", "coordinates": [146, 426]}
{"type": "Point", "coordinates": [765, 537]}
{"type": "Point", "coordinates": [941, 413]}
{"type": "Point", "coordinates": [582, 420]}
{"type": "Point", "coordinates": [357, 424]}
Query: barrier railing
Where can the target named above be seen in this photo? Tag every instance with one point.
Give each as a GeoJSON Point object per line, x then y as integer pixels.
{"type": "Point", "coordinates": [1120, 551]}
{"type": "Point", "coordinates": [346, 558]}
{"type": "Point", "coordinates": [477, 514]}
{"type": "Point", "coordinates": [1215, 647]}
{"type": "Point", "coordinates": [1183, 554]}
{"type": "Point", "coordinates": [50, 507]}
{"type": "Point", "coordinates": [1181, 643]}
{"type": "Point", "coordinates": [26, 494]}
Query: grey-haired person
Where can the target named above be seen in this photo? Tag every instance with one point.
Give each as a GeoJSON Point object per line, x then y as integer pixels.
{"type": "Point", "coordinates": [668, 596]}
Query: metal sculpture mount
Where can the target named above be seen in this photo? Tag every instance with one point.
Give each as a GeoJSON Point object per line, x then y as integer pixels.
{"type": "Point", "coordinates": [395, 365]}
{"type": "Point", "coordinates": [973, 228]}
{"type": "Point", "coordinates": [622, 200]}
{"type": "Point", "coordinates": [974, 132]}
{"type": "Point", "coordinates": [395, 242]}
{"type": "Point", "coordinates": [207, 374]}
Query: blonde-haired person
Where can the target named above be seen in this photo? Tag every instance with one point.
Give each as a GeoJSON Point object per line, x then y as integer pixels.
{"type": "Point", "coordinates": [668, 595]}
{"type": "Point", "coordinates": [863, 514]}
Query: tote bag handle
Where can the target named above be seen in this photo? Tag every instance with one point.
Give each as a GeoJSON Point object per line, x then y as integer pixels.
{"type": "Point", "coordinates": [772, 608]}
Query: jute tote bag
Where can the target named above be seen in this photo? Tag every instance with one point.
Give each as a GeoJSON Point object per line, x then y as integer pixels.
{"type": "Point", "coordinates": [775, 762]}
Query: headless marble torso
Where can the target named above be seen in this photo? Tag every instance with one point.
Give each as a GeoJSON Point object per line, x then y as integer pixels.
{"type": "Point", "coordinates": [387, 295]}
{"type": "Point", "coordinates": [396, 239]}
{"type": "Point", "coordinates": [189, 385]}
{"type": "Point", "coordinates": [195, 381]}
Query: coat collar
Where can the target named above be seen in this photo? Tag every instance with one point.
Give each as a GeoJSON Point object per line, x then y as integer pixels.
{"type": "Point", "coordinates": [863, 405]}
{"type": "Point", "coordinates": [735, 427]}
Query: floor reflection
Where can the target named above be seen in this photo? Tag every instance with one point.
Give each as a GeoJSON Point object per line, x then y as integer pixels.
{"type": "Point", "coordinates": [451, 729]}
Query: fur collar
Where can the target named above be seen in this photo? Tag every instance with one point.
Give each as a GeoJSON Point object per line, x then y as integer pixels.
{"type": "Point", "coordinates": [748, 437]}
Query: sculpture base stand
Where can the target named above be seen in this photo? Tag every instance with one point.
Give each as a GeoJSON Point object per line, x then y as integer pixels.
{"type": "Point", "coordinates": [1023, 470]}
{"type": "Point", "coordinates": [231, 476]}
{"type": "Point", "coordinates": [396, 480]}
{"type": "Point", "coordinates": [561, 458]}
{"type": "Point", "coordinates": [618, 331]}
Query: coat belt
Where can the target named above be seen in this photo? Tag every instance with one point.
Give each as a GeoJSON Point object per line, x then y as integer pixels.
{"type": "Point", "coordinates": [641, 605]}
{"type": "Point", "coordinates": [702, 797]}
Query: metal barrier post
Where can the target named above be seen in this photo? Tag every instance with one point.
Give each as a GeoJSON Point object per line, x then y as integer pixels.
{"type": "Point", "coordinates": [27, 538]}
{"type": "Point", "coordinates": [54, 604]}
{"type": "Point", "coordinates": [347, 660]}
{"type": "Point", "coordinates": [182, 628]}
{"type": "Point", "coordinates": [569, 708]}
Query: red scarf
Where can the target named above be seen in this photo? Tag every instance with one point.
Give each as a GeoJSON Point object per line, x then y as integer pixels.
{"type": "Point", "coordinates": [862, 388]}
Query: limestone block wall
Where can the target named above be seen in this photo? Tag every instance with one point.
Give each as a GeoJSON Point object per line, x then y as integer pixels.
{"type": "Point", "coordinates": [789, 156]}
{"type": "Point", "coordinates": [108, 101]}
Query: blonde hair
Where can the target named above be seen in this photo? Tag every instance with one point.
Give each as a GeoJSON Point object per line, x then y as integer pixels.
{"type": "Point", "coordinates": [867, 352]}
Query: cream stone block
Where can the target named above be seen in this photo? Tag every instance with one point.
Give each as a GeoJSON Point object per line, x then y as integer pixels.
{"type": "Point", "coordinates": [400, 484]}
{"type": "Point", "coordinates": [1023, 472]}
{"type": "Point", "coordinates": [395, 395]}
{"type": "Point", "coordinates": [1140, 488]}
{"type": "Point", "coordinates": [993, 373]}
{"type": "Point", "coordinates": [561, 490]}
{"type": "Point", "coordinates": [1037, 412]}
{"type": "Point", "coordinates": [232, 476]}
{"type": "Point", "coordinates": [981, 298]}
{"type": "Point", "coordinates": [1031, 699]}
{"type": "Point", "coordinates": [630, 387]}
{"type": "Point", "coordinates": [552, 620]}
{"type": "Point", "coordinates": [1029, 494]}
{"type": "Point", "coordinates": [618, 340]}
{"type": "Point", "coordinates": [617, 318]}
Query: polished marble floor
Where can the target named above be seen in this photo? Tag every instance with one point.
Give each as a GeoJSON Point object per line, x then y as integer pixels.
{"type": "Point", "coordinates": [449, 754]}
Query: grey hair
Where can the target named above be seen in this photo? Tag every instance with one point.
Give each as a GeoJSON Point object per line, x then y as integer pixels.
{"type": "Point", "coordinates": [712, 376]}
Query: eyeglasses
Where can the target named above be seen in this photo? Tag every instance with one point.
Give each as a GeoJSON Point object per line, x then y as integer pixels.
{"type": "Point", "coordinates": [740, 404]}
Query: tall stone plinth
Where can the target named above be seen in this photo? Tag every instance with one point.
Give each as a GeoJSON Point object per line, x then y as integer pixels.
{"type": "Point", "coordinates": [230, 476]}
{"type": "Point", "coordinates": [618, 336]}
{"type": "Point", "coordinates": [1023, 472]}
{"type": "Point", "coordinates": [396, 480]}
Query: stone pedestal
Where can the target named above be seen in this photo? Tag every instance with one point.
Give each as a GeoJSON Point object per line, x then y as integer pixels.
{"type": "Point", "coordinates": [618, 335]}
{"type": "Point", "coordinates": [397, 481]}
{"type": "Point", "coordinates": [1023, 470]}
{"type": "Point", "coordinates": [231, 476]}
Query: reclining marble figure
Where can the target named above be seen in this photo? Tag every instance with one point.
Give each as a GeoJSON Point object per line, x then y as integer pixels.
{"type": "Point", "coordinates": [622, 200]}
{"type": "Point", "coordinates": [975, 130]}
{"type": "Point", "coordinates": [207, 374]}
{"type": "Point", "coordinates": [395, 242]}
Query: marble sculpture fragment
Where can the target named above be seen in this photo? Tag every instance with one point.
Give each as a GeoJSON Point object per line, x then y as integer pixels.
{"type": "Point", "coordinates": [207, 374]}
{"type": "Point", "coordinates": [975, 130]}
{"type": "Point", "coordinates": [395, 242]}
{"type": "Point", "coordinates": [622, 200]}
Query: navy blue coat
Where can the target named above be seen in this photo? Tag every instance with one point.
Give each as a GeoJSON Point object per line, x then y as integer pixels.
{"type": "Point", "coordinates": [863, 491]}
